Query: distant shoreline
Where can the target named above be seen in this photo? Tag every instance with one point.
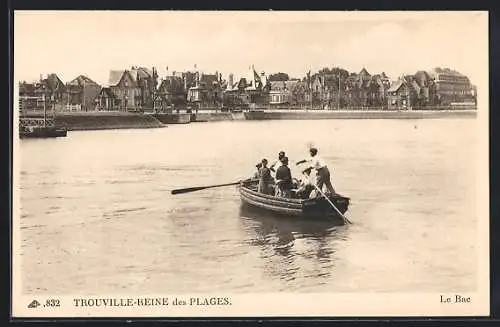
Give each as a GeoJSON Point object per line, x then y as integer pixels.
{"type": "Point", "coordinates": [358, 114]}
{"type": "Point", "coordinates": [128, 120]}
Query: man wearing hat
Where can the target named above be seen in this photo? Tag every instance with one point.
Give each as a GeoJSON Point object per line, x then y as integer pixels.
{"type": "Point", "coordinates": [256, 175]}
{"type": "Point", "coordinates": [322, 172]}
{"type": "Point", "coordinates": [281, 155]}
{"type": "Point", "coordinates": [283, 179]}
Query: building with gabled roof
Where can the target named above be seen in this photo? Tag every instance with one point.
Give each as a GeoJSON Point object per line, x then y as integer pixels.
{"type": "Point", "coordinates": [51, 87]}
{"type": "Point", "coordinates": [403, 93]}
{"type": "Point", "coordinates": [207, 91]}
{"type": "Point", "coordinates": [248, 91]}
{"type": "Point", "coordinates": [124, 89]}
{"type": "Point", "coordinates": [171, 91]}
{"type": "Point", "coordinates": [82, 92]}
{"type": "Point", "coordinates": [147, 82]}
{"type": "Point", "coordinates": [289, 93]}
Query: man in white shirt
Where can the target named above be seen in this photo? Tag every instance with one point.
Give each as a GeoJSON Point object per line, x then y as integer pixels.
{"type": "Point", "coordinates": [306, 187]}
{"type": "Point", "coordinates": [322, 172]}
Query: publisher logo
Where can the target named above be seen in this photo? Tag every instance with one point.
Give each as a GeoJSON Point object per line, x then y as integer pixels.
{"type": "Point", "coordinates": [34, 304]}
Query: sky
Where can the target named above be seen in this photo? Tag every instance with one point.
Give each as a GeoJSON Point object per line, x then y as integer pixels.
{"type": "Point", "coordinates": [92, 43]}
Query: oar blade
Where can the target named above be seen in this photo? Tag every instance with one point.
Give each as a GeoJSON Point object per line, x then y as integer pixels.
{"type": "Point", "coordinates": [187, 190]}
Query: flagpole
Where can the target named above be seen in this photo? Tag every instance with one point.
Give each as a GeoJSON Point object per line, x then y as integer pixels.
{"type": "Point", "coordinates": [310, 88]}
{"type": "Point", "coordinates": [338, 96]}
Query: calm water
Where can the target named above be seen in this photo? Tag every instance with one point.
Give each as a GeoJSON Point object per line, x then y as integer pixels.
{"type": "Point", "coordinates": [98, 217]}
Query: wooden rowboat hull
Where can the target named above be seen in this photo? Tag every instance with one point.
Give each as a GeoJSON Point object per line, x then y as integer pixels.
{"type": "Point", "coordinates": [48, 132]}
{"type": "Point", "coordinates": [317, 208]}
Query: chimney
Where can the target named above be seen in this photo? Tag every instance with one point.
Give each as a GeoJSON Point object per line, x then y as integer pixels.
{"type": "Point", "coordinates": [173, 73]}
{"type": "Point", "coordinates": [230, 80]}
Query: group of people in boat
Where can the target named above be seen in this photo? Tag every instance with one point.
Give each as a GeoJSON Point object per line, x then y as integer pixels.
{"type": "Point", "coordinates": [283, 185]}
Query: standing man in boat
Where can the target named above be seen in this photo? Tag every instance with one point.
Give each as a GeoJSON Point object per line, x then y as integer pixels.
{"type": "Point", "coordinates": [281, 155]}
{"type": "Point", "coordinates": [264, 178]}
{"type": "Point", "coordinates": [283, 179]}
{"type": "Point", "coordinates": [322, 172]}
{"type": "Point", "coordinates": [257, 173]}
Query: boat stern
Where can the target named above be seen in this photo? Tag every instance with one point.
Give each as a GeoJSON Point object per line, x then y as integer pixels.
{"type": "Point", "coordinates": [321, 207]}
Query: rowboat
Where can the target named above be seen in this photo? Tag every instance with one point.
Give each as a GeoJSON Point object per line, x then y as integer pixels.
{"type": "Point", "coordinates": [315, 208]}
{"type": "Point", "coordinates": [42, 132]}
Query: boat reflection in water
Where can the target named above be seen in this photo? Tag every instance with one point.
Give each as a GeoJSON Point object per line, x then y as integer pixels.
{"type": "Point", "coordinates": [294, 249]}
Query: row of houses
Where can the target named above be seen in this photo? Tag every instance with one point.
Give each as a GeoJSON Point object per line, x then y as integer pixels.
{"type": "Point", "coordinates": [81, 93]}
{"type": "Point", "coordinates": [140, 88]}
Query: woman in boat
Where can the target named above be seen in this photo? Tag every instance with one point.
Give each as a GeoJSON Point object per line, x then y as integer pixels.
{"type": "Point", "coordinates": [322, 172]}
{"type": "Point", "coordinates": [283, 179]}
{"type": "Point", "coordinates": [264, 178]}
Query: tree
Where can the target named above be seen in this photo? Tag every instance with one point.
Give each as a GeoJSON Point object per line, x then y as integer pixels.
{"type": "Point", "coordinates": [337, 71]}
{"type": "Point", "coordinates": [279, 77]}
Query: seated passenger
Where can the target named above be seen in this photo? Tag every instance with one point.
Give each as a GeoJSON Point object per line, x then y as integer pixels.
{"type": "Point", "coordinates": [306, 186]}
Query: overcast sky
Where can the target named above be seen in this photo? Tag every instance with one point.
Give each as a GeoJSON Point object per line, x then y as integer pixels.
{"type": "Point", "coordinates": [93, 42]}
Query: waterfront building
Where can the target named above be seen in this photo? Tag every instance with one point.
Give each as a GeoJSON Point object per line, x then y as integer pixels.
{"type": "Point", "coordinates": [292, 93]}
{"type": "Point", "coordinates": [53, 89]}
{"type": "Point", "coordinates": [452, 86]}
{"type": "Point", "coordinates": [256, 88]}
{"type": "Point", "coordinates": [28, 99]}
{"type": "Point", "coordinates": [332, 91]}
{"type": "Point", "coordinates": [207, 91]}
{"type": "Point", "coordinates": [365, 90]}
{"type": "Point", "coordinates": [195, 92]}
{"type": "Point", "coordinates": [212, 89]}
{"type": "Point", "coordinates": [280, 93]}
{"type": "Point", "coordinates": [336, 88]}
{"type": "Point", "coordinates": [171, 92]}
{"type": "Point", "coordinates": [249, 91]}
{"type": "Point", "coordinates": [82, 94]}
{"type": "Point", "coordinates": [232, 95]}
{"type": "Point", "coordinates": [107, 101]}
{"type": "Point", "coordinates": [122, 88]}
{"type": "Point", "coordinates": [189, 79]}
{"type": "Point", "coordinates": [380, 84]}
{"type": "Point", "coordinates": [425, 89]}
{"type": "Point", "coordinates": [146, 80]}
{"type": "Point", "coordinates": [403, 93]}
{"type": "Point", "coordinates": [359, 89]}
{"type": "Point", "coordinates": [316, 91]}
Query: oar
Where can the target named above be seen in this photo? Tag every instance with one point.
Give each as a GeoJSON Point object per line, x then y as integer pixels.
{"type": "Point", "coordinates": [199, 188]}
{"type": "Point", "coordinates": [331, 203]}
